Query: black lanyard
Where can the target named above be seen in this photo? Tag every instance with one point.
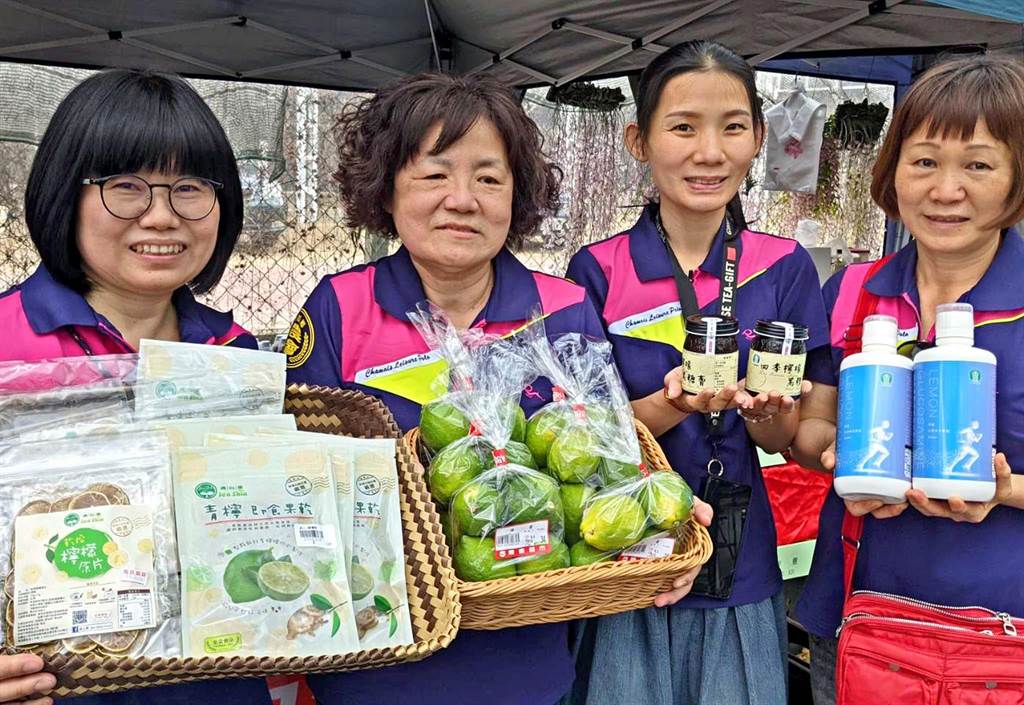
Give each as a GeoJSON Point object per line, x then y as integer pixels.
{"type": "Point", "coordinates": [731, 249]}
{"type": "Point", "coordinates": [80, 340]}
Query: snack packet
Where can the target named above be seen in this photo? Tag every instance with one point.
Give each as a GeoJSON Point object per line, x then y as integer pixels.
{"type": "Point", "coordinates": [262, 563]}
{"type": "Point", "coordinates": [182, 380]}
{"type": "Point", "coordinates": [90, 535]}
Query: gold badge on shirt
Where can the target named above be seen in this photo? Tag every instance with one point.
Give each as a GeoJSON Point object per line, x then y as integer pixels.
{"type": "Point", "coordinates": [301, 336]}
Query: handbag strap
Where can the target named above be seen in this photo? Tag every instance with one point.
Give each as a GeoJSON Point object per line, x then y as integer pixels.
{"type": "Point", "coordinates": [853, 527]}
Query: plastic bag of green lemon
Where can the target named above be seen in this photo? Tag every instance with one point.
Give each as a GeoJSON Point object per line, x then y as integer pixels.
{"type": "Point", "coordinates": [505, 518]}
{"type": "Point", "coordinates": [587, 440]}
{"type": "Point", "coordinates": [261, 552]}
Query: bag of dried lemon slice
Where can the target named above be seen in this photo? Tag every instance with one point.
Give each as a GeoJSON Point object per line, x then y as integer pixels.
{"type": "Point", "coordinates": [88, 550]}
{"type": "Point", "coordinates": [261, 555]}
{"type": "Point", "coordinates": [183, 380]}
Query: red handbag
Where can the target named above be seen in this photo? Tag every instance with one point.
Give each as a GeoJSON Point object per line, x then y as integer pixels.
{"type": "Point", "coordinates": [895, 649]}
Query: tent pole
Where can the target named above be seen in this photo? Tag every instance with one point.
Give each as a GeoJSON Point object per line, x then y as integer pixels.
{"type": "Point", "coordinates": [852, 18]}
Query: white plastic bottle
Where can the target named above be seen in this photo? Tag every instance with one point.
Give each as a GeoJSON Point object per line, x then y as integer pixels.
{"type": "Point", "coordinates": [873, 431]}
{"type": "Point", "coordinates": [955, 411]}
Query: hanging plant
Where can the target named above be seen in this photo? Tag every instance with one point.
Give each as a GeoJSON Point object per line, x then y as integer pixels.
{"type": "Point", "coordinates": [585, 95]}
{"type": "Point", "coordinates": [856, 124]}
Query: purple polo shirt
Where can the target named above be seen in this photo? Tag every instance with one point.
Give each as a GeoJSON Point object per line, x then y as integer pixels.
{"type": "Point", "coordinates": [629, 277]}
{"type": "Point", "coordinates": [38, 316]}
{"type": "Point", "coordinates": [928, 558]}
{"type": "Point", "coordinates": [353, 333]}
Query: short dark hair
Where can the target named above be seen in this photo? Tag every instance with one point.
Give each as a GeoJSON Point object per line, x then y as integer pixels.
{"type": "Point", "coordinates": [949, 99]}
{"type": "Point", "coordinates": [380, 134]}
{"type": "Point", "coordinates": [687, 57]}
{"type": "Point", "coordinates": [123, 121]}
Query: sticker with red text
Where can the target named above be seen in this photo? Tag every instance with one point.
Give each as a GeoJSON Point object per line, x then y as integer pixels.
{"type": "Point", "coordinates": [522, 540]}
{"type": "Point", "coordinates": [654, 547]}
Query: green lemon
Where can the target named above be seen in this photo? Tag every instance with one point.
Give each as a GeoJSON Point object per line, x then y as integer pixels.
{"type": "Point", "coordinates": [573, 457]}
{"type": "Point", "coordinates": [612, 472]}
{"type": "Point", "coordinates": [454, 466]}
{"type": "Point", "coordinates": [582, 553]}
{"type": "Point", "coordinates": [441, 423]}
{"type": "Point", "coordinates": [518, 424]}
{"type": "Point", "coordinates": [613, 522]}
{"type": "Point", "coordinates": [574, 499]}
{"type": "Point", "coordinates": [667, 499]}
{"type": "Point", "coordinates": [517, 454]}
{"type": "Point", "coordinates": [532, 496]}
{"type": "Point", "coordinates": [558, 558]}
{"type": "Point", "coordinates": [360, 582]}
{"type": "Point", "coordinates": [240, 575]}
{"type": "Point", "coordinates": [477, 509]}
{"type": "Point", "coordinates": [543, 427]}
{"type": "Point", "coordinates": [283, 581]}
{"type": "Point", "coordinates": [474, 560]}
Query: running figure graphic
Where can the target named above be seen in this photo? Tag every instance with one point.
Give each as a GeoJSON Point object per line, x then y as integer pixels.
{"type": "Point", "coordinates": [966, 454]}
{"type": "Point", "coordinates": [877, 452]}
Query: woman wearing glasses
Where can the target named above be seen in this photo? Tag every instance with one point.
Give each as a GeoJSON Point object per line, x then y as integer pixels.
{"type": "Point", "coordinates": [134, 204]}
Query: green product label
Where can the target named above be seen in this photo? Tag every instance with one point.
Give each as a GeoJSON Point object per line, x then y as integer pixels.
{"type": "Point", "coordinates": [71, 520]}
{"type": "Point", "coordinates": [80, 554]}
{"type": "Point", "coordinates": [222, 643]}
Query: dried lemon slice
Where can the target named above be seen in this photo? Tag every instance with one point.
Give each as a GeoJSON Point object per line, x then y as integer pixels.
{"type": "Point", "coordinates": [112, 492]}
{"type": "Point", "coordinates": [89, 499]}
{"type": "Point", "coordinates": [9, 584]}
{"type": "Point", "coordinates": [116, 642]}
{"type": "Point", "coordinates": [78, 644]}
{"type": "Point", "coordinates": [9, 613]}
{"type": "Point", "coordinates": [62, 504]}
{"type": "Point", "coordinates": [36, 506]}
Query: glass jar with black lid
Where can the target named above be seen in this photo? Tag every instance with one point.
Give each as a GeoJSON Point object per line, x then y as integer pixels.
{"type": "Point", "coordinates": [711, 353]}
{"type": "Point", "coordinates": [778, 355]}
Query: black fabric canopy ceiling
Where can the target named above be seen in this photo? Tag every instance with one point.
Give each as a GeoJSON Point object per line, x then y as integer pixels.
{"type": "Point", "coordinates": [361, 44]}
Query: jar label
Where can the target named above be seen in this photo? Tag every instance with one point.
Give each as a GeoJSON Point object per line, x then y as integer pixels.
{"type": "Point", "coordinates": [709, 371]}
{"type": "Point", "coordinates": [774, 372]}
{"type": "Point", "coordinates": [873, 433]}
{"type": "Point", "coordinates": [954, 420]}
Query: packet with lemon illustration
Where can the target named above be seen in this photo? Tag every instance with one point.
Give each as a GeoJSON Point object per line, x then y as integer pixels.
{"type": "Point", "coordinates": [263, 569]}
{"type": "Point", "coordinates": [366, 488]}
{"type": "Point", "coordinates": [183, 380]}
{"type": "Point", "coordinates": [89, 555]}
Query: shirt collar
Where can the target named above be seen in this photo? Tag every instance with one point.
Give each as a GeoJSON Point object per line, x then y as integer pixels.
{"type": "Point", "coordinates": [397, 287]}
{"type": "Point", "coordinates": [650, 259]}
{"type": "Point", "coordinates": [994, 292]}
{"type": "Point", "coordinates": [50, 306]}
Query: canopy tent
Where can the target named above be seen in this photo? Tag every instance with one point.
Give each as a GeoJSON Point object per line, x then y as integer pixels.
{"type": "Point", "coordinates": [361, 44]}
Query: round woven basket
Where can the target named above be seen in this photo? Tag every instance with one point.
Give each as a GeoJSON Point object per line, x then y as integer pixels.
{"type": "Point", "coordinates": [584, 591]}
{"type": "Point", "coordinates": [433, 592]}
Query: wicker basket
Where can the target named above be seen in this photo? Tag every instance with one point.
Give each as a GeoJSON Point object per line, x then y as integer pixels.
{"type": "Point", "coordinates": [584, 591]}
{"type": "Point", "coordinates": [433, 595]}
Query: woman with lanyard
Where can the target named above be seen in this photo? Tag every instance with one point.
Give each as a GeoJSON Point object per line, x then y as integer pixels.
{"type": "Point", "coordinates": [699, 126]}
{"type": "Point", "coordinates": [951, 169]}
{"type": "Point", "coordinates": [453, 168]}
{"type": "Point", "coordinates": [134, 204]}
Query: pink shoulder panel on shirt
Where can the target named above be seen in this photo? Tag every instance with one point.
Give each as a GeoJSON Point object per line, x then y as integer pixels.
{"type": "Point", "coordinates": [363, 320]}
{"type": "Point", "coordinates": [846, 304]}
{"type": "Point", "coordinates": [557, 293]}
{"type": "Point", "coordinates": [761, 251]}
{"type": "Point", "coordinates": [23, 343]}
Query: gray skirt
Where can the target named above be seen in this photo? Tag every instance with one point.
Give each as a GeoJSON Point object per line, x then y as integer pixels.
{"type": "Point", "coordinates": [679, 656]}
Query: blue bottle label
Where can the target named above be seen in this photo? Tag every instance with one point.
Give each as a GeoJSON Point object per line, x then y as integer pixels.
{"type": "Point", "coordinates": [954, 420]}
{"type": "Point", "coordinates": [873, 435]}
